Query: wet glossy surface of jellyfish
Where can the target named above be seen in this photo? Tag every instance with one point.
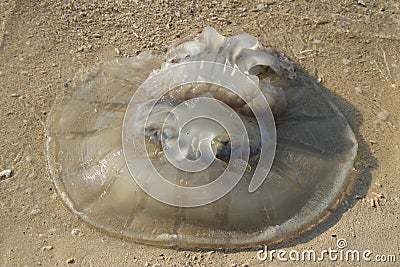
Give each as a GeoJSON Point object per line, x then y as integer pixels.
{"type": "Point", "coordinates": [113, 129]}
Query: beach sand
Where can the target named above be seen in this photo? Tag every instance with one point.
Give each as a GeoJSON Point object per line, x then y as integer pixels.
{"type": "Point", "coordinates": [353, 50]}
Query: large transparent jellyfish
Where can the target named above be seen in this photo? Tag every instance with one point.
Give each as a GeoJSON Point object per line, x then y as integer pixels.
{"type": "Point", "coordinates": [220, 143]}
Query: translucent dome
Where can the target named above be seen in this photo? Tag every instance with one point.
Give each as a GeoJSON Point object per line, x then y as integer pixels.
{"type": "Point", "coordinates": [219, 143]}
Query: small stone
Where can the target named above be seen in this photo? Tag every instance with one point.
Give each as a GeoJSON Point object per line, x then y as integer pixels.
{"type": "Point", "coordinates": [76, 231]}
{"type": "Point", "coordinates": [14, 95]}
{"type": "Point", "coordinates": [358, 90]}
{"type": "Point", "coordinates": [117, 51]}
{"type": "Point", "coordinates": [361, 3]}
{"type": "Point", "coordinates": [70, 261]}
{"type": "Point", "coordinates": [5, 174]}
{"type": "Point", "coordinates": [372, 141]}
{"type": "Point", "coordinates": [24, 72]}
{"type": "Point", "coordinates": [28, 158]}
{"type": "Point", "coordinates": [35, 211]}
{"type": "Point", "coordinates": [383, 115]}
{"type": "Point", "coordinates": [346, 61]}
{"type": "Point", "coordinates": [96, 35]}
{"type": "Point", "coordinates": [47, 248]}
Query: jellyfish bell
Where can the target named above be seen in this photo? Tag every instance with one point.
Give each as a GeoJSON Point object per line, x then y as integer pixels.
{"type": "Point", "coordinates": [220, 143]}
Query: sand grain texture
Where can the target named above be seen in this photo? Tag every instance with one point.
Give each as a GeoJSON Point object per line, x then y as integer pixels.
{"type": "Point", "coordinates": [353, 50]}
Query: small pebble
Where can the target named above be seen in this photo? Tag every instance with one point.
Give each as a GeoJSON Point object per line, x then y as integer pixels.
{"type": "Point", "coordinates": [383, 115]}
{"type": "Point", "coordinates": [260, 6]}
{"type": "Point", "coordinates": [70, 261]}
{"type": "Point", "coordinates": [358, 90]}
{"type": "Point", "coordinates": [14, 95]}
{"type": "Point", "coordinates": [35, 211]}
{"type": "Point", "coordinates": [47, 248]}
{"type": "Point", "coordinates": [360, 2]}
{"type": "Point", "coordinates": [6, 174]}
{"type": "Point", "coordinates": [76, 231]}
{"type": "Point", "coordinates": [346, 61]}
